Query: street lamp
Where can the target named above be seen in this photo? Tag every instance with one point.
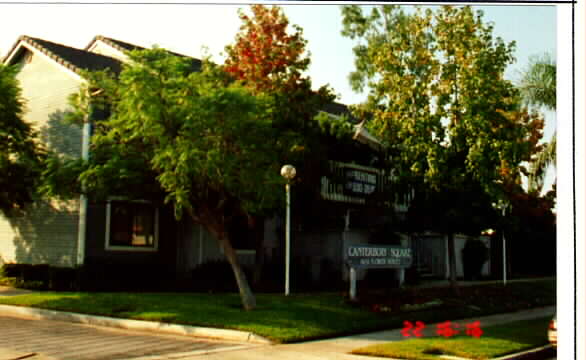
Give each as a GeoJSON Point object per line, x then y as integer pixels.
{"type": "Point", "coordinates": [288, 172]}
{"type": "Point", "coordinates": [502, 205]}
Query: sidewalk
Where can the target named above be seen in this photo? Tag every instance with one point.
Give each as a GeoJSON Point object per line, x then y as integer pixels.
{"type": "Point", "coordinates": [339, 348]}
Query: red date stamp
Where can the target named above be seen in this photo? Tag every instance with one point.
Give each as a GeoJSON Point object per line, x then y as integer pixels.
{"type": "Point", "coordinates": [446, 329]}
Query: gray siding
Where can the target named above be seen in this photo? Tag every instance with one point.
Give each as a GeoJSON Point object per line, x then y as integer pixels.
{"type": "Point", "coordinates": [45, 233]}
{"type": "Point", "coordinates": [197, 246]}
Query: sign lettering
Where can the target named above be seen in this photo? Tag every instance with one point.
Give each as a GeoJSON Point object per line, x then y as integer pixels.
{"type": "Point", "coordinates": [378, 256]}
{"type": "Point", "coordinates": [360, 182]}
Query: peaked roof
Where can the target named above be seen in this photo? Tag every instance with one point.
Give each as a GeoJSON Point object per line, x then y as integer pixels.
{"type": "Point", "coordinates": [116, 44]}
{"type": "Point", "coordinates": [125, 47]}
{"type": "Point", "coordinates": [74, 59]}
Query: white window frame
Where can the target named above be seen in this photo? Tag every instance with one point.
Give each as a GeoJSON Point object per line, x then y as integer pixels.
{"type": "Point", "coordinates": [109, 247]}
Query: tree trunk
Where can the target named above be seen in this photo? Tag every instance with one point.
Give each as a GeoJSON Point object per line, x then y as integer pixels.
{"type": "Point", "coordinates": [248, 299]}
{"type": "Point", "coordinates": [218, 229]}
{"type": "Point", "coordinates": [452, 263]}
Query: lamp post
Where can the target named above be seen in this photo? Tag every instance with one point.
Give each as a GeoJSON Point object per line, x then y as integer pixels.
{"type": "Point", "coordinates": [504, 249]}
{"type": "Point", "coordinates": [288, 172]}
{"type": "Point", "coordinates": [502, 205]}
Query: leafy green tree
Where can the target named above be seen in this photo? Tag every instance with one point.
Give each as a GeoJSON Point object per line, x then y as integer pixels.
{"type": "Point", "coordinates": [438, 99]}
{"type": "Point", "coordinates": [20, 153]}
{"type": "Point", "coordinates": [198, 140]}
{"type": "Point", "coordinates": [538, 88]}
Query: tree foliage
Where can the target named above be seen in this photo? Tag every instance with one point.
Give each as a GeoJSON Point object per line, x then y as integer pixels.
{"type": "Point", "coordinates": [20, 153]}
{"type": "Point", "coordinates": [438, 99]}
{"type": "Point", "coordinates": [538, 82]}
{"type": "Point", "coordinates": [538, 88]}
{"type": "Point", "coordinates": [269, 57]}
{"type": "Point", "coordinates": [199, 141]}
{"type": "Point", "coordinates": [437, 94]}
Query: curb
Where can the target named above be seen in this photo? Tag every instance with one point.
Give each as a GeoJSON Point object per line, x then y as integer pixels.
{"type": "Point", "coordinates": [536, 353]}
{"type": "Point", "coordinates": [186, 330]}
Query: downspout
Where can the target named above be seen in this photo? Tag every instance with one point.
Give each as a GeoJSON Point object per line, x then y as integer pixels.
{"type": "Point", "coordinates": [83, 200]}
{"type": "Point", "coordinates": [82, 228]}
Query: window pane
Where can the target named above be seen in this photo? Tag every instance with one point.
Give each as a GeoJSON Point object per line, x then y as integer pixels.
{"type": "Point", "coordinates": [120, 225]}
{"type": "Point", "coordinates": [132, 224]}
{"type": "Point", "coordinates": [143, 225]}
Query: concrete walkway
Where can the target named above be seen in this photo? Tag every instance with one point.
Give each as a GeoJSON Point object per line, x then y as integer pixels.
{"type": "Point", "coordinates": [8, 291]}
{"type": "Point", "coordinates": [339, 348]}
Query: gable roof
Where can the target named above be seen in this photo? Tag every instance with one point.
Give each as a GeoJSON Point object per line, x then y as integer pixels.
{"type": "Point", "coordinates": [125, 47]}
{"type": "Point", "coordinates": [116, 44]}
{"type": "Point", "coordinates": [73, 59]}
{"type": "Point", "coordinates": [338, 109]}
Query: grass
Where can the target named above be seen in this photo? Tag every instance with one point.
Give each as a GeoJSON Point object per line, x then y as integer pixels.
{"type": "Point", "coordinates": [280, 318]}
{"type": "Point", "coordinates": [498, 340]}
{"type": "Point", "coordinates": [298, 317]}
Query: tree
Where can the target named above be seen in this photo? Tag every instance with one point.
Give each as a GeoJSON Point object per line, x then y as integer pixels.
{"type": "Point", "coordinates": [538, 88]}
{"type": "Point", "coordinates": [198, 140]}
{"type": "Point", "coordinates": [269, 57]}
{"type": "Point", "coordinates": [270, 60]}
{"type": "Point", "coordinates": [20, 153]}
{"type": "Point", "coordinates": [438, 99]}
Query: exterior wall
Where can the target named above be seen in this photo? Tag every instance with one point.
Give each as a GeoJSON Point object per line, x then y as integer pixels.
{"type": "Point", "coordinates": [320, 252]}
{"type": "Point", "coordinates": [459, 243]}
{"type": "Point", "coordinates": [432, 255]}
{"type": "Point", "coordinates": [102, 48]}
{"type": "Point", "coordinates": [197, 246]}
{"type": "Point", "coordinates": [46, 88]}
{"type": "Point", "coordinates": [45, 232]}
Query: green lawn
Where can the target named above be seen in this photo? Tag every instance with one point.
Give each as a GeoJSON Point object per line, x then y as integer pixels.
{"type": "Point", "coordinates": [280, 318]}
{"type": "Point", "coordinates": [297, 317]}
{"type": "Point", "coordinates": [498, 340]}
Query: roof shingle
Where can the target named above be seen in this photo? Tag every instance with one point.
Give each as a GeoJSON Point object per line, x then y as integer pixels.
{"type": "Point", "coordinates": [74, 59]}
{"type": "Point", "coordinates": [126, 47]}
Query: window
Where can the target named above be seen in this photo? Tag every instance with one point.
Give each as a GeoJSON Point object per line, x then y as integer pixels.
{"type": "Point", "coordinates": [131, 225]}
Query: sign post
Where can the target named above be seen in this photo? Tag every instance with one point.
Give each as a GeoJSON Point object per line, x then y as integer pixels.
{"type": "Point", "coordinates": [352, 284]}
{"type": "Point", "coordinates": [375, 257]}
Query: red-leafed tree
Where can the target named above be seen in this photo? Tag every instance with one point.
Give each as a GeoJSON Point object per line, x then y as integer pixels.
{"type": "Point", "coordinates": [269, 57]}
{"type": "Point", "coordinates": [264, 54]}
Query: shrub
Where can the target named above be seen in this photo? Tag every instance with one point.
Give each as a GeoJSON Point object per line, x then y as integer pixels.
{"type": "Point", "coordinates": [216, 276]}
{"type": "Point", "coordinates": [474, 255]}
{"type": "Point", "coordinates": [102, 274]}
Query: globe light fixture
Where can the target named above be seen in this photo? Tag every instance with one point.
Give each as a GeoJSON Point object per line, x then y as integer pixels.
{"type": "Point", "coordinates": [288, 172]}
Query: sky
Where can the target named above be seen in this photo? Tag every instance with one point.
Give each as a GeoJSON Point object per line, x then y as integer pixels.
{"type": "Point", "coordinates": [198, 29]}
{"type": "Point", "coordinates": [187, 29]}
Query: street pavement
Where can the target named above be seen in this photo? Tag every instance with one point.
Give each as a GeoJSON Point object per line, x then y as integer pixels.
{"type": "Point", "coordinates": [35, 339]}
